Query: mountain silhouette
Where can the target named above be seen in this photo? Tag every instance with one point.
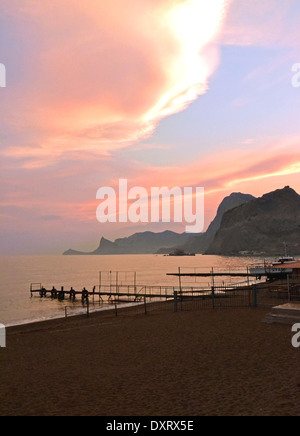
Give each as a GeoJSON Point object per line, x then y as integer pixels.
{"type": "Point", "coordinates": [262, 226]}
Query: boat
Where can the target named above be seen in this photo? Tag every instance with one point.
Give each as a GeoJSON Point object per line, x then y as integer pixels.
{"type": "Point", "coordinates": [180, 253]}
{"type": "Point", "coordinates": [282, 268]}
{"type": "Point", "coordinates": [285, 260]}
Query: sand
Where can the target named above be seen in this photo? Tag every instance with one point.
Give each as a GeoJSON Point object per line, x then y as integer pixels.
{"type": "Point", "coordinates": [197, 363]}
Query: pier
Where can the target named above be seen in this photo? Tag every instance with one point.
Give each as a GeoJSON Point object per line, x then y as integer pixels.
{"type": "Point", "coordinates": [137, 292]}
{"type": "Point", "coordinates": [222, 290]}
{"type": "Point", "coordinates": [117, 287]}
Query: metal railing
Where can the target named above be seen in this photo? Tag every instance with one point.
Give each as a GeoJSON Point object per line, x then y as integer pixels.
{"type": "Point", "coordinates": [139, 299]}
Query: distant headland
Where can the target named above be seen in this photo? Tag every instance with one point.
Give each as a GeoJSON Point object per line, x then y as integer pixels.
{"type": "Point", "coordinates": [244, 225]}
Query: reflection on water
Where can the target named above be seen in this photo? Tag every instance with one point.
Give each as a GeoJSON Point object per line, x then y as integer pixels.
{"type": "Point", "coordinates": [17, 273]}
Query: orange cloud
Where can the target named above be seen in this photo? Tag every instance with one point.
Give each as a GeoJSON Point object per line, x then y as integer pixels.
{"type": "Point", "coordinates": [96, 80]}
{"type": "Point", "coordinates": [225, 170]}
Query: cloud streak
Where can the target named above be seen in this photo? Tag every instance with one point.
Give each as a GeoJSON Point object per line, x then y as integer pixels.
{"type": "Point", "coordinates": [218, 173]}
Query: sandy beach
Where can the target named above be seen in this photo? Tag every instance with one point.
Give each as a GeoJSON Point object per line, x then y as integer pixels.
{"type": "Point", "coordinates": [205, 362]}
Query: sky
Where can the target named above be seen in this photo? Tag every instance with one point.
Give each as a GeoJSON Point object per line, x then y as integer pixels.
{"type": "Point", "coordinates": [172, 93]}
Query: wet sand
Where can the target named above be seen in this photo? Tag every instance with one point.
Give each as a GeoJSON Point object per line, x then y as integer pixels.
{"type": "Point", "coordinates": [205, 362]}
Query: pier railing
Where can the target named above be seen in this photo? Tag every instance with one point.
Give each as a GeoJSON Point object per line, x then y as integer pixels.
{"type": "Point", "coordinates": [137, 298]}
{"type": "Point", "coordinates": [158, 297]}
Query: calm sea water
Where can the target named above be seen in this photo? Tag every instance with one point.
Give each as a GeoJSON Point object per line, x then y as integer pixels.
{"type": "Point", "coordinates": [18, 272]}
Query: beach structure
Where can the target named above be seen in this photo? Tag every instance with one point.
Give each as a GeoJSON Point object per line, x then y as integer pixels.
{"type": "Point", "coordinates": [285, 269]}
{"type": "Point", "coordinates": [288, 313]}
{"type": "Point", "coordinates": [117, 287]}
{"type": "Point", "coordinates": [278, 282]}
{"type": "Point", "coordinates": [2, 336]}
{"type": "Point", "coordinates": [280, 270]}
{"type": "Point", "coordinates": [136, 293]}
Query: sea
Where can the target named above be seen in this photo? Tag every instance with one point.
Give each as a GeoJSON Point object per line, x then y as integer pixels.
{"type": "Point", "coordinates": [19, 272]}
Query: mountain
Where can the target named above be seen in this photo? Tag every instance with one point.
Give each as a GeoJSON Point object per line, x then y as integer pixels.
{"type": "Point", "coordinates": [243, 225]}
{"type": "Point", "coordinates": [261, 226]}
{"type": "Point", "coordinates": [139, 243]}
{"type": "Point", "coordinates": [149, 242]}
{"type": "Point", "coordinates": [199, 243]}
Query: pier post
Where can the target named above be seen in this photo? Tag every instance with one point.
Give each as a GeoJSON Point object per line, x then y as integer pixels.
{"type": "Point", "coordinates": [175, 301]}
{"type": "Point", "coordinates": [213, 287]}
{"type": "Point", "coordinates": [72, 294]}
{"type": "Point", "coordinates": [88, 308]}
{"type": "Point", "coordinates": [61, 294]}
{"type": "Point", "coordinates": [180, 281]}
{"type": "Point", "coordinates": [43, 292]}
{"type": "Point", "coordinates": [254, 299]}
{"type": "Point", "coordinates": [84, 295]}
{"type": "Point", "coordinates": [213, 297]}
{"type": "Point", "coordinates": [145, 305]}
{"type": "Point", "coordinates": [288, 288]}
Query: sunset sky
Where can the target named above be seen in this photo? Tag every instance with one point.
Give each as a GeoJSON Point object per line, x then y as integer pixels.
{"type": "Point", "coordinates": [162, 93]}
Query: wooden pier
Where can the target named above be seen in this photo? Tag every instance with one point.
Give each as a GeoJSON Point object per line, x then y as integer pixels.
{"type": "Point", "coordinates": [136, 293]}
{"type": "Point", "coordinates": [121, 287]}
{"type": "Point", "coordinates": [211, 274]}
{"type": "Point", "coordinates": [117, 285]}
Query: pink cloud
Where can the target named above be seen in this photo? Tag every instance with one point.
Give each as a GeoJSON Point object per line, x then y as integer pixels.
{"type": "Point", "coordinates": [227, 168]}
{"type": "Point", "coordinates": [96, 80]}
